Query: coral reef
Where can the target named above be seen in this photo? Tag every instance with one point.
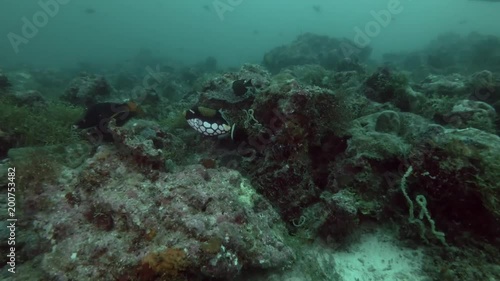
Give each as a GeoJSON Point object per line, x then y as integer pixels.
{"type": "Point", "coordinates": [147, 144]}
{"type": "Point", "coordinates": [310, 48]}
{"type": "Point", "coordinates": [472, 114]}
{"type": "Point", "coordinates": [87, 90]}
{"type": "Point", "coordinates": [461, 172]}
{"type": "Point", "coordinates": [217, 92]}
{"type": "Point", "coordinates": [451, 53]}
{"type": "Point", "coordinates": [187, 225]}
{"type": "Point", "coordinates": [169, 264]}
{"type": "Point", "coordinates": [332, 156]}
{"type": "Point", "coordinates": [384, 85]}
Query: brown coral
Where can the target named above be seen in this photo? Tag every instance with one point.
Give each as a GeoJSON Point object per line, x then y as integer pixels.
{"type": "Point", "coordinates": [168, 264]}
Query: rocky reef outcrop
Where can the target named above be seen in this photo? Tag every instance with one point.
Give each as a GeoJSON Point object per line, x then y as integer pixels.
{"type": "Point", "coordinates": [87, 90]}
{"type": "Point", "coordinates": [309, 48]}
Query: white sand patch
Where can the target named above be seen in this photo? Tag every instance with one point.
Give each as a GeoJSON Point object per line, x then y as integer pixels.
{"type": "Point", "coordinates": [377, 258]}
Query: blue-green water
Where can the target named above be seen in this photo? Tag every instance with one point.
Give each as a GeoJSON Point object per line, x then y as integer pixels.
{"type": "Point", "coordinates": [234, 31]}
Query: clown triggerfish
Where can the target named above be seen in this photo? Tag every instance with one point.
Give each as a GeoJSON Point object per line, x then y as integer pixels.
{"type": "Point", "coordinates": [209, 122]}
{"type": "Point", "coordinates": [100, 114]}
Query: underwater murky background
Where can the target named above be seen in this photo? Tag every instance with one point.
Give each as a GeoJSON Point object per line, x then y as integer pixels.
{"type": "Point", "coordinates": [106, 33]}
{"type": "Point", "coordinates": [248, 140]}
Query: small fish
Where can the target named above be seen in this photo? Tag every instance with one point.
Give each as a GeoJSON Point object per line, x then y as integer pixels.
{"type": "Point", "coordinates": [240, 87]}
{"type": "Point", "coordinates": [209, 122]}
{"type": "Point", "coordinates": [89, 11]}
{"type": "Point", "coordinates": [100, 114]}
